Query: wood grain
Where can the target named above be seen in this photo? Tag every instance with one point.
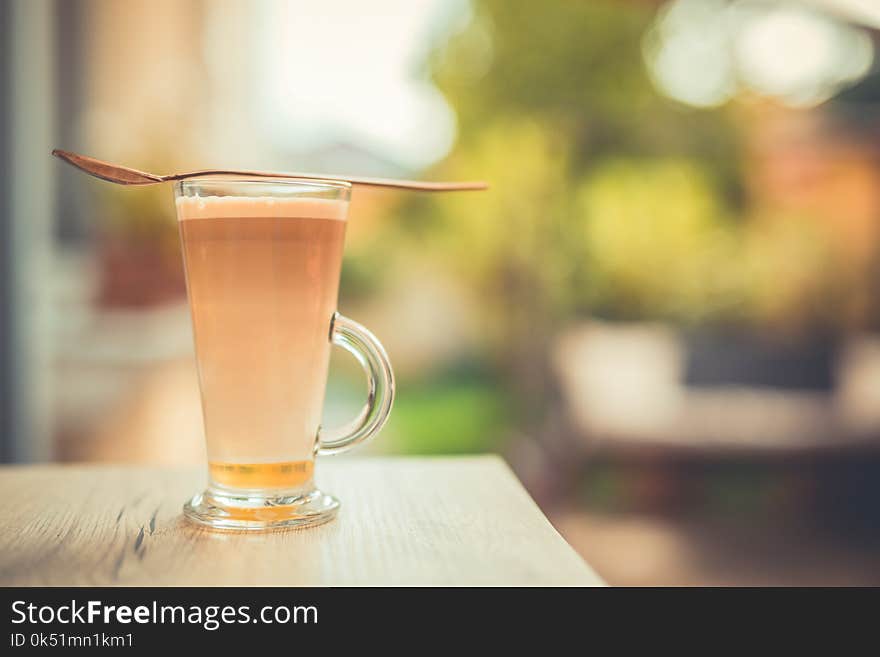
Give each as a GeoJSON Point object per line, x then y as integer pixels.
{"type": "Point", "coordinates": [436, 521]}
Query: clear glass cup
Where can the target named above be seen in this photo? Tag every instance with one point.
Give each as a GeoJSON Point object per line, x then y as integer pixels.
{"type": "Point", "coordinates": [263, 260]}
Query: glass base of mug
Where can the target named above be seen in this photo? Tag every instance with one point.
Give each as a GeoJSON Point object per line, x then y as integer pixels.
{"type": "Point", "coordinates": [260, 512]}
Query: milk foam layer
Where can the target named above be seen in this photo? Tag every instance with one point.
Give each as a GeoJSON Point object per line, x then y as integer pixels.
{"type": "Point", "coordinates": [265, 207]}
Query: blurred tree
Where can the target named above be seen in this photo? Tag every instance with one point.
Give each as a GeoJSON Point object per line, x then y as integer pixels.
{"type": "Point", "coordinates": [660, 243]}
{"type": "Point", "coordinates": [545, 93]}
{"type": "Point", "coordinates": [513, 245]}
{"type": "Point", "coordinates": [577, 68]}
{"type": "Point", "coordinates": [607, 198]}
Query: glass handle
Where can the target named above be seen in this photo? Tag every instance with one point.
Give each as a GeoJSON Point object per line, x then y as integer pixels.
{"type": "Point", "coordinates": [370, 353]}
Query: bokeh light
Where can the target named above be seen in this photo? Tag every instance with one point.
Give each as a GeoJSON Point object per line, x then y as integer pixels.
{"type": "Point", "coordinates": [705, 53]}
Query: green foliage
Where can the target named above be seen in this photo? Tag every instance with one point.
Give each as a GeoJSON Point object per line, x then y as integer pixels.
{"type": "Point", "coordinates": [604, 488]}
{"type": "Point", "coordinates": [606, 199]}
{"type": "Point", "coordinates": [659, 241]}
{"type": "Point", "coordinates": [601, 198]}
{"type": "Point", "coordinates": [366, 269]}
{"type": "Point", "coordinates": [448, 417]}
{"type": "Point", "coordinates": [576, 68]}
{"type": "Point", "coordinates": [560, 60]}
{"type": "Point", "coordinates": [521, 219]}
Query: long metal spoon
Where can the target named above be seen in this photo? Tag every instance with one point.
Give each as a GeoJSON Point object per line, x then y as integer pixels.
{"type": "Point", "coordinates": [116, 173]}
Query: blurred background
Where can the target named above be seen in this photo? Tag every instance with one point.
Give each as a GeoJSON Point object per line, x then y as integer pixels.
{"type": "Point", "coordinates": [664, 315]}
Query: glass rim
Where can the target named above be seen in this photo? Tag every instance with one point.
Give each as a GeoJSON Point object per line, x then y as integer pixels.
{"type": "Point", "coordinates": [320, 183]}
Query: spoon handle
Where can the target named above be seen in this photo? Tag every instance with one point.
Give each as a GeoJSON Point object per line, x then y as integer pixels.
{"type": "Point", "coordinates": [122, 175]}
{"type": "Point", "coordinates": [416, 185]}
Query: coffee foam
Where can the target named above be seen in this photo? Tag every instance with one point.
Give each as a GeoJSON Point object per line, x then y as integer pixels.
{"type": "Point", "coordinates": [262, 207]}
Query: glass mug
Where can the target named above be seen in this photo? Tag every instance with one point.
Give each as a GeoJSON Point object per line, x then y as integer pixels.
{"type": "Point", "coordinates": [262, 261]}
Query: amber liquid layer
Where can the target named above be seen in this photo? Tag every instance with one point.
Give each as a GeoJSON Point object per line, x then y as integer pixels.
{"type": "Point", "coordinates": [292, 474]}
{"type": "Point", "coordinates": [262, 293]}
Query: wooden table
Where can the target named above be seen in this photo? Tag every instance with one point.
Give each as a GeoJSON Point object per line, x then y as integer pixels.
{"type": "Point", "coordinates": [404, 521]}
